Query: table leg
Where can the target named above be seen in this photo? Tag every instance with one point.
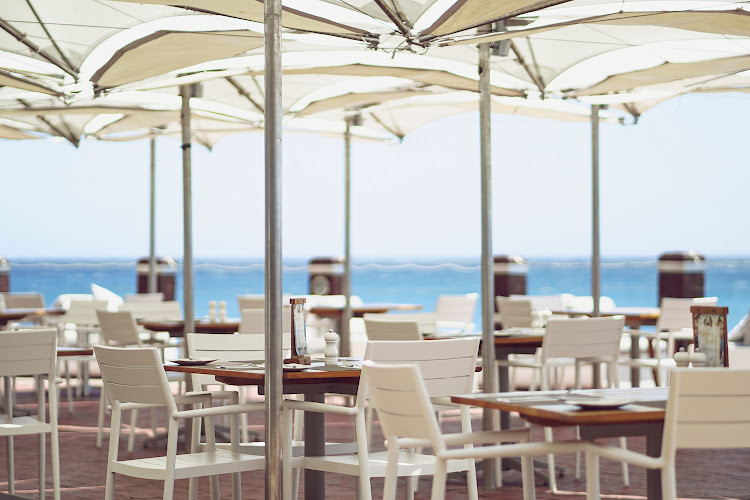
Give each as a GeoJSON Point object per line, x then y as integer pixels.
{"type": "Point", "coordinates": [315, 439]}
{"type": "Point", "coordinates": [653, 476]}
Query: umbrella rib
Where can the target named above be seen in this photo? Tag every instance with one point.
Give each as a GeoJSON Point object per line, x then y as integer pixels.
{"type": "Point", "coordinates": [29, 81]}
{"type": "Point", "coordinates": [244, 93]}
{"type": "Point", "coordinates": [52, 39]}
{"type": "Point", "coordinates": [36, 49]}
{"type": "Point", "coordinates": [396, 19]}
{"type": "Point", "coordinates": [535, 77]}
{"type": "Point", "coordinates": [62, 133]}
{"type": "Point", "coordinates": [387, 128]}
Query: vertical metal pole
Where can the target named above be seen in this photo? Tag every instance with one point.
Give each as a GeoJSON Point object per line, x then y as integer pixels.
{"type": "Point", "coordinates": [152, 221]}
{"type": "Point", "coordinates": [347, 284]}
{"type": "Point", "coordinates": [273, 306]}
{"type": "Point", "coordinates": [186, 91]}
{"type": "Point", "coordinates": [489, 373]}
{"type": "Point", "coordinates": [595, 250]}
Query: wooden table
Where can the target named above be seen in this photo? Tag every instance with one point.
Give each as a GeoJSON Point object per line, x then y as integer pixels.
{"type": "Point", "coordinates": [22, 312]}
{"type": "Point", "coordinates": [176, 328]}
{"type": "Point", "coordinates": [74, 351]}
{"type": "Point", "coordinates": [635, 318]}
{"type": "Point", "coordinates": [314, 385]}
{"type": "Point", "coordinates": [643, 418]}
{"type": "Point", "coordinates": [335, 313]}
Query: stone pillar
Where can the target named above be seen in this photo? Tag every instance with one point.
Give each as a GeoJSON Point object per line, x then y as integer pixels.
{"type": "Point", "coordinates": [166, 276]}
{"type": "Point", "coordinates": [326, 275]}
{"type": "Point", "coordinates": [681, 274]}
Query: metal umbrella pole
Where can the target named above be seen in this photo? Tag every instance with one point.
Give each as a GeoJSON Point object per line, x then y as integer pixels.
{"type": "Point", "coordinates": [152, 220]}
{"type": "Point", "coordinates": [489, 372]}
{"type": "Point", "coordinates": [595, 249]}
{"type": "Point", "coordinates": [347, 280]}
{"type": "Point", "coordinates": [186, 92]}
{"type": "Point", "coordinates": [273, 306]}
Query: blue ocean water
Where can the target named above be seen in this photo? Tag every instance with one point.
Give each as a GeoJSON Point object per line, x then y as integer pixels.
{"type": "Point", "coordinates": [628, 282]}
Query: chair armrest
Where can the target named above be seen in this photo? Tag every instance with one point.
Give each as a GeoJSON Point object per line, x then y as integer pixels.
{"type": "Point", "coordinates": [193, 397]}
{"type": "Point", "coordinates": [515, 450]}
{"type": "Point", "coordinates": [517, 435]}
{"type": "Point", "coordinates": [220, 410]}
{"type": "Point", "coordinates": [617, 453]}
{"type": "Point", "coordinates": [291, 404]}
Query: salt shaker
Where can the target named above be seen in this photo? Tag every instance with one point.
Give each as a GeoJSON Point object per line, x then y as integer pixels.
{"type": "Point", "coordinates": [698, 359]}
{"type": "Point", "coordinates": [222, 311]}
{"type": "Point", "coordinates": [331, 351]}
{"type": "Point", "coordinates": [212, 311]}
{"type": "Point", "coordinates": [682, 358]}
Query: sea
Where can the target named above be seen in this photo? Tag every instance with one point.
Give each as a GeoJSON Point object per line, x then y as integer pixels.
{"type": "Point", "coordinates": [629, 282]}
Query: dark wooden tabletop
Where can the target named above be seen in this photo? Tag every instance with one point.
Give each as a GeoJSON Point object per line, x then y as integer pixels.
{"type": "Point", "coordinates": [176, 328]}
{"type": "Point", "coordinates": [317, 374]}
{"type": "Point", "coordinates": [359, 311]}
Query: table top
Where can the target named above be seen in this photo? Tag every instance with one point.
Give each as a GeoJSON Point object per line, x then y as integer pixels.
{"type": "Point", "coordinates": [634, 316]}
{"type": "Point", "coordinates": [358, 311]}
{"type": "Point", "coordinates": [549, 409]}
{"type": "Point", "coordinates": [317, 374]}
{"type": "Point", "coordinates": [176, 328]}
{"type": "Point", "coordinates": [11, 314]}
{"type": "Point", "coordinates": [502, 338]}
{"type": "Point", "coordinates": [75, 351]}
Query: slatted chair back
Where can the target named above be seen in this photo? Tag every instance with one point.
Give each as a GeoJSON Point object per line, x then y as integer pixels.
{"type": "Point", "coordinates": [167, 310]}
{"type": "Point", "coordinates": [674, 313]}
{"type": "Point", "coordinates": [118, 328]}
{"type": "Point", "coordinates": [514, 313]}
{"type": "Point", "coordinates": [83, 312]}
{"type": "Point", "coordinates": [251, 301]}
{"type": "Point", "coordinates": [707, 408]}
{"type": "Point", "coordinates": [458, 308]}
{"type": "Point", "coordinates": [427, 321]}
{"type": "Point", "coordinates": [229, 348]}
{"type": "Point", "coordinates": [144, 297]}
{"type": "Point", "coordinates": [25, 300]}
{"type": "Point", "coordinates": [134, 376]}
{"type": "Point", "coordinates": [253, 321]}
{"type": "Point", "coordinates": [583, 338]}
{"type": "Point", "coordinates": [447, 366]}
{"type": "Point", "coordinates": [402, 402]}
{"type": "Point", "coordinates": [29, 352]}
{"type": "Point", "coordinates": [382, 329]}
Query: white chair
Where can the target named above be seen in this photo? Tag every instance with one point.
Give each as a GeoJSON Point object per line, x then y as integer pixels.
{"type": "Point", "coordinates": [427, 321]}
{"type": "Point", "coordinates": [456, 311]}
{"type": "Point", "coordinates": [447, 365]}
{"type": "Point", "coordinates": [251, 301]}
{"type": "Point", "coordinates": [253, 320]}
{"type": "Point", "coordinates": [675, 320]}
{"type": "Point", "coordinates": [406, 415]}
{"type": "Point", "coordinates": [118, 329]}
{"type": "Point", "coordinates": [381, 329]}
{"type": "Point", "coordinates": [575, 341]}
{"type": "Point", "coordinates": [514, 312]}
{"type": "Point", "coordinates": [707, 408]}
{"type": "Point", "coordinates": [144, 297]}
{"type": "Point", "coordinates": [135, 378]}
{"type": "Point", "coordinates": [31, 352]}
{"type": "Point", "coordinates": [166, 310]}
{"type": "Point", "coordinates": [24, 300]}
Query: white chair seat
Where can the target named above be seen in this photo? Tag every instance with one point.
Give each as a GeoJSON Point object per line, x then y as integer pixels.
{"type": "Point", "coordinates": [409, 464]}
{"type": "Point", "coordinates": [204, 463]}
{"type": "Point", "coordinates": [20, 426]}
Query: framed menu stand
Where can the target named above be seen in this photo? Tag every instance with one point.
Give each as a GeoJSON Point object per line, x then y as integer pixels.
{"type": "Point", "coordinates": [710, 333]}
{"type": "Point", "coordinates": [299, 334]}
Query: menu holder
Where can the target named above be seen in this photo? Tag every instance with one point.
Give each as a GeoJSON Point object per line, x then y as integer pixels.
{"type": "Point", "coordinates": [710, 333]}
{"type": "Point", "coordinates": [299, 334]}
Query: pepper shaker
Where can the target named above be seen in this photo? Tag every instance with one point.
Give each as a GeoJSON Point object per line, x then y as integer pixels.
{"type": "Point", "coordinates": [212, 311]}
{"type": "Point", "coordinates": [222, 311]}
{"type": "Point", "coordinates": [682, 358]}
{"type": "Point", "coordinates": [331, 351]}
{"type": "Point", "coordinates": [698, 359]}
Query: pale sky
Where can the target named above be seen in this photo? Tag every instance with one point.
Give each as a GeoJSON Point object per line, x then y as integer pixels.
{"type": "Point", "coordinates": [677, 180]}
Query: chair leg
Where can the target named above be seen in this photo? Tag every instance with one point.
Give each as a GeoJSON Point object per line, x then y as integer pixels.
{"type": "Point", "coordinates": [668, 483]}
{"type": "Point", "coordinates": [131, 431]}
{"type": "Point", "coordinates": [527, 475]}
{"type": "Point", "coordinates": [172, 438]}
{"type": "Point", "coordinates": [55, 452]}
{"type": "Point", "coordinates": [100, 419]}
{"type": "Point", "coordinates": [625, 465]}
{"type": "Point", "coordinates": [471, 473]}
{"type": "Point", "coordinates": [42, 463]}
{"type": "Point", "coordinates": [548, 437]}
{"type": "Point", "coordinates": [114, 441]}
{"type": "Point", "coordinates": [578, 454]}
{"type": "Point", "coordinates": [391, 473]}
{"type": "Point", "coordinates": [438, 481]}
{"type": "Point", "coordinates": [11, 466]}
{"type": "Point", "coordinates": [592, 476]}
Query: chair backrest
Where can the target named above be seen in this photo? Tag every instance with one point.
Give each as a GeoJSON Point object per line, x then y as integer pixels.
{"type": "Point", "coordinates": [168, 310]}
{"type": "Point", "coordinates": [118, 328]}
{"type": "Point", "coordinates": [83, 312]}
{"type": "Point", "coordinates": [458, 308]}
{"type": "Point", "coordinates": [134, 376]}
{"type": "Point", "coordinates": [707, 408]}
{"type": "Point", "coordinates": [331, 301]}
{"type": "Point", "coordinates": [399, 396]}
{"type": "Point", "coordinates": [557, 302]}
{"type": "Point", "coordinates": [386, 329]}
{"type": "Point", "coordinates": [253, 320]}
{"type": "Point", "coordinates": [674, 313]}
{"type": "Point", "coordinates": [23, 300]}
{"type": "Point", "coordinates": [583, 337]}
{"type": "Point", "coordinates": [447, 366]}
{"type": "Point", "coordinates": [427, 321]}
{"type": "Point", "coordinates": [251, 301]}
{"type": "Point", "coordinates": [29, 352]}
{"type": "Point", "coordinates": [64, 300]}
{"type": "Point", "coordinates": [144, 297]}
{"type": "Point", "coordinates": [229, 348]}
{"type": "Point", "coordinates": [514, 313]}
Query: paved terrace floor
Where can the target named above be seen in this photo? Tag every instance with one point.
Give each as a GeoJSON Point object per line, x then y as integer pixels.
{"type": "Point", "coordinates": [720, 474]}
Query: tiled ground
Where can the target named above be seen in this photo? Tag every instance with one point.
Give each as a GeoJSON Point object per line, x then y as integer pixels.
{"type": "Point", "coordinates": [701, 474]}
